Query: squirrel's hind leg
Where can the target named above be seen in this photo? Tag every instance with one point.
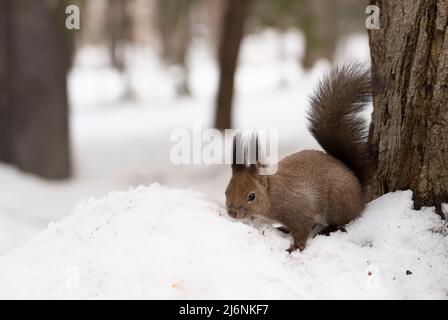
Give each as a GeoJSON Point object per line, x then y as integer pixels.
{"type": "Point", "coordinates": [300, 229]}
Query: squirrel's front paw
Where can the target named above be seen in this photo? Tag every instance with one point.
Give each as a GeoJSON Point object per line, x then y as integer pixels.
{"type": "Point", "coordinates": [294, 248]}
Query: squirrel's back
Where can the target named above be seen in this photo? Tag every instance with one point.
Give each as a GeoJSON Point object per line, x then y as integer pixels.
{"type": "Point", "coordinates": [318, 180]}
{"type": "Point", "coordinates": [336, 121]}
{"type": "Point", "coordinates": [331, 184]}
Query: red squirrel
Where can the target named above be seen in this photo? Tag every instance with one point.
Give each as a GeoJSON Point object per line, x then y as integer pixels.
{"type": "Point", "coordinates": [313, 187]}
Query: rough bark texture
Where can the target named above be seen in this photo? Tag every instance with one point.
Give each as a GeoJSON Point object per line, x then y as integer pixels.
{"type": "Point", "coordinates": [232, 31]}
{"type": "Point", "coordinates": [410, 119]}
{"type": "Point", "coordinates": [34, 114]}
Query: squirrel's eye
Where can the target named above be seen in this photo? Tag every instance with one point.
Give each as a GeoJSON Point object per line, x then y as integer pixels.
{"type": "Point", "coordinates": [251, 197]}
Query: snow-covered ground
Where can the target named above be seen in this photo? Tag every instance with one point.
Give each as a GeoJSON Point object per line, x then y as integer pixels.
{"type": "Point", "coordinates": [118, 143]}
{"type": "Point", "coordinates": [158, 242]}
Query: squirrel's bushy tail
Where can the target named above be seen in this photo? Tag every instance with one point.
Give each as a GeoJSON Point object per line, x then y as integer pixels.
{"type": "Point", "coordinates": [336, 122]}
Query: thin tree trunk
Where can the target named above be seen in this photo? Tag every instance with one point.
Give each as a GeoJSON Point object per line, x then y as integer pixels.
{"type": "Point", "coordinates": [410, 120]}
{"type": "Point", "coordinates": [232, 31]}
{"type": "Point", "coordinates": [321, 32]}
{"type": "Point", "coordinates": [118, 32]}
{"type": "Point", "coordinates": [38, 59]}
{"type": "Point", "coordinates": [5, 110]}
{"type": "Point", "coordinates": [174, 26]}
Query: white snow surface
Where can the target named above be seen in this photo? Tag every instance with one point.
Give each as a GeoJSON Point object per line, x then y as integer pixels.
{"type": "Point", "coordinates": [117, 143]}
{"type": "Point", "coordinates": [155, 242]}
{"type": "Point", "coordinates": [158, 242]}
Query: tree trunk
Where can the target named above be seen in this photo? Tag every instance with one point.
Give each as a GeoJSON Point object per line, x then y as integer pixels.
{"type": "Point", "coordinates": [5, 111]}
{"type": "Point", "coordinates": [232, 31]}
{"type": "Point", "coordinates": [174, 26]}
{"type": "Point", "coordinates": [35, 113]}
{"type": "Point", "coordinates": [118, 26]}
{"type": "Point", "coordinates": [321, 32]}
{"type": "Point", "coordinates": [410, 120]}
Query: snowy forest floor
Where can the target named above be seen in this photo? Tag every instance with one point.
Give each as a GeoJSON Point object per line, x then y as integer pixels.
{"type": "Point", "coordinates": [113, 140]}
{"type": "Point", "coordinates": [156, 242]}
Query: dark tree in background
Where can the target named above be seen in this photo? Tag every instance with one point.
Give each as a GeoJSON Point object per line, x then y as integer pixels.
{"type": "Point", "coordinates": [5, 122]}
{"type": "Point", "coordinates": [118, 31]}
{"type": "Point", "coordinates": [321, 30]}
{"type": "Point", "coordinates": [234, 18]}
{"type": "Point", "coordinates": [410, 119]}
{"type": "Point", "coordinates": [174, 26]}
{"type": "Point", "coordinates": [34, 59]}
{"type": "Point", "coordinates": [323, 23]}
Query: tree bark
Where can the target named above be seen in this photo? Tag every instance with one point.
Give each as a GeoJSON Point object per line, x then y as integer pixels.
{"type": "Point", "coordinates": [36, 112]}
{"type": "Point", "coordinates": [5, 145]}
{"type": "Point", "coordinates": [232, 31]}
{"type": "Point", "coordinates": [409, 127]}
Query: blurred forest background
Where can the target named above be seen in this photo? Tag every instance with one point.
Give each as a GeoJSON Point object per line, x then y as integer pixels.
{"type": "Point", "coordinates": [83, 112]}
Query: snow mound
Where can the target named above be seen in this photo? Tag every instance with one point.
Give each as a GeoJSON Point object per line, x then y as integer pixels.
{"type": "Point", "coordinates": [155, 242]}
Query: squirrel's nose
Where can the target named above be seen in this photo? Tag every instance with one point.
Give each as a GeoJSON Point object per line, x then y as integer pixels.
{"type": "Point", "coordinates": [233, 212]}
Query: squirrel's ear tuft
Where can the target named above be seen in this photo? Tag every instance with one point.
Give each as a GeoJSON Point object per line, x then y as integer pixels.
{"type": "Point", "coordinates": [246, 154]}
{"type": "Point", "coordinates": [253, 154]}
{"type": "Point", "coordinates": [238, 153]}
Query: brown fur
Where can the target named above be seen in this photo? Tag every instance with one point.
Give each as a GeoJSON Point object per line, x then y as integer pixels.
{"type": "Point", "coordinates": [335, 119]}
{"type": "Point", "coordinates": [313, 187]}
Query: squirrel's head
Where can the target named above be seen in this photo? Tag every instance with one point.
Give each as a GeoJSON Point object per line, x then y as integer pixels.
{"type": "Point", "coordinates": [247, 191]}
{"type": "Point", "coordinates": [247, 194]}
